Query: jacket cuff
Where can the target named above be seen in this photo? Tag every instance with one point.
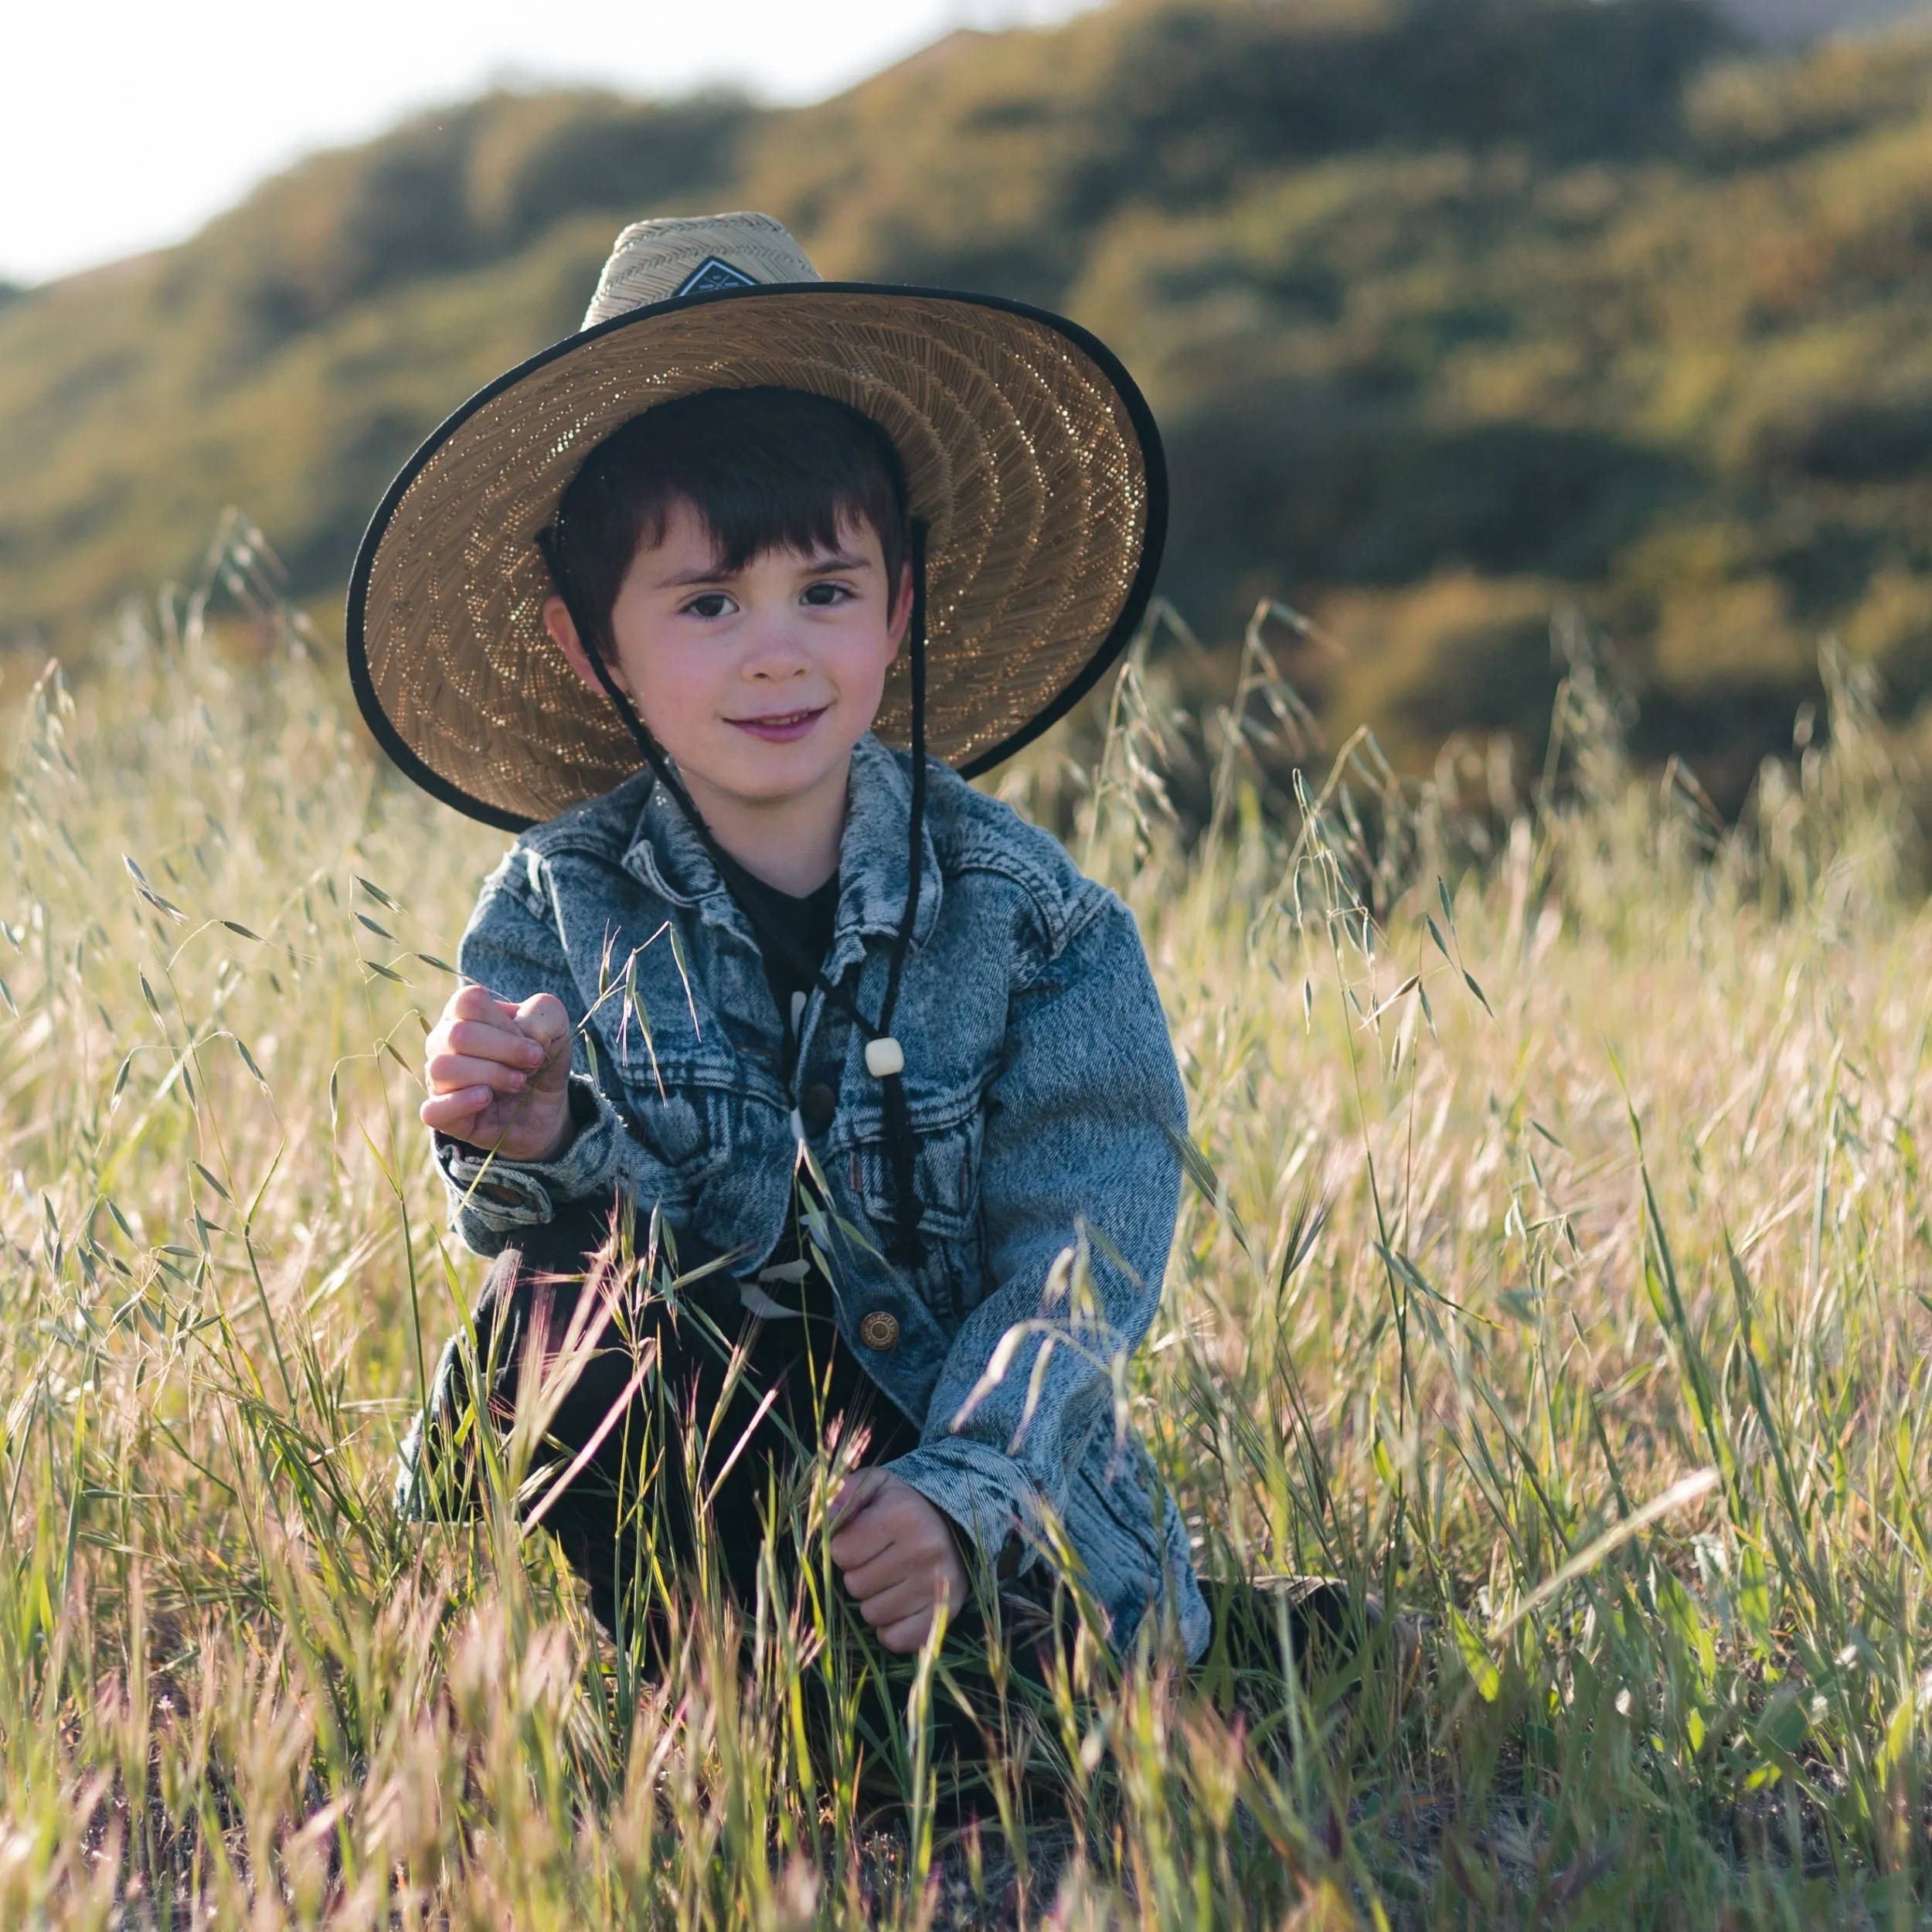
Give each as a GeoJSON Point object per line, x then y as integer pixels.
{"type": "Point", "coordinates": [987, 1495]}
{"type": "Point", "coordinates": [501, 1195]}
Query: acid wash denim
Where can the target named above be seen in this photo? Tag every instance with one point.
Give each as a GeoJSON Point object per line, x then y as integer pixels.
{"type": "Point", "coordinates": [1043, 1091]}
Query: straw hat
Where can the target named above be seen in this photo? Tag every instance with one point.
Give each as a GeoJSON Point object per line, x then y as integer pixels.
{"type": "Point", "coordinates": [1029, 450]}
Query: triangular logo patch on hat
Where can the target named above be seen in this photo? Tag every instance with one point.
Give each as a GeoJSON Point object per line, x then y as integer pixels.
{"type": "Point", "coordinates": [711, 273]}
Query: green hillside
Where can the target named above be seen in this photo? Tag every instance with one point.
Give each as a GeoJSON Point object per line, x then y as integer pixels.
{"type": "Point", "coordinates": [1454, 310]}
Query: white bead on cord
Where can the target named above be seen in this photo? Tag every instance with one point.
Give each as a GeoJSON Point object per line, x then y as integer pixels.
{"type": "Point", "coordinates": [884, 1057]}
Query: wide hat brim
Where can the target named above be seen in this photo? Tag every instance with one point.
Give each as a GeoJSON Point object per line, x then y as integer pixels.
{"type": "Point", "coordinates": [1029, 452]}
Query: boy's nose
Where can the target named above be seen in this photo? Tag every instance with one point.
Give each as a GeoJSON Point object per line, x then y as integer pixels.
{"type": "Point", "coordinates": [777, 652]}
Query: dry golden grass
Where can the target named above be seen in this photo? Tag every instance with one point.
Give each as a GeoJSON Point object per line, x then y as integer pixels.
{"type": "Point", "coordinates": [1558, 1270]}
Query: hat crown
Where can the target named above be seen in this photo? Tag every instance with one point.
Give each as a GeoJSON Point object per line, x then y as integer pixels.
{"type": "Point", "coordinates": [1029, 456]}
{"type": "Point", "coordinates": [655, 261]}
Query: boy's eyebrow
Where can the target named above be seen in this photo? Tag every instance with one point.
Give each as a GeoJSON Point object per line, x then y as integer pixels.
{"type": "Point", "coordinates": [715, 572]}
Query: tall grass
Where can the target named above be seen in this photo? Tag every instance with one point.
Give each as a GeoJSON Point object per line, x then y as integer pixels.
{"type": "Point", "coordinates": [1557, 1273]}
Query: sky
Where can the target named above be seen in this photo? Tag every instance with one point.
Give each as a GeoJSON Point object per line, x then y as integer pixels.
{"type": "Point", "coordinates": [124, 124]}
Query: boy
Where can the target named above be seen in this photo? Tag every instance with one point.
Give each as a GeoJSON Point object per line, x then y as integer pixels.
{"type": "Point", "coordinates": [648, 596]}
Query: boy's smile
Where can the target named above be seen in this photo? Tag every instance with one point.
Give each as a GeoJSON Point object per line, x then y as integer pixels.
{"type": "Point", "coordinates": [782, 727]}
{"type": "Point", "coordinates": [758, 681]}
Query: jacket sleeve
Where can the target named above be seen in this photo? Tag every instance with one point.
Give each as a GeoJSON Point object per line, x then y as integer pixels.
{"type": "Point", "coordinates": [1078, 1141]}
{"type": "Point", "coordinates": [512, 946]}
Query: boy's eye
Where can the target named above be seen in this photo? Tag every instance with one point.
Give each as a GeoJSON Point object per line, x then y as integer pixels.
{"type": "Point", "coordinates": [822, 594]}
{"type": "Point", "coordinates": [708, 604]}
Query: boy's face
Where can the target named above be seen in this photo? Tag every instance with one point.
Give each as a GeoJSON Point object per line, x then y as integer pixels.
{"type": "Point", "coordinates": [758, 682]}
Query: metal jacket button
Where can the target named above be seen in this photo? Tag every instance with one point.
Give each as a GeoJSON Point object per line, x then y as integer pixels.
{"type": "Point", "coordinates": [819, 1103]}
{"type": "Point", "coordinates": [879, 1331]}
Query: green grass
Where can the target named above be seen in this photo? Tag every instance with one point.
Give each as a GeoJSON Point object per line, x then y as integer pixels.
{"type": "Point", "coordinates": [1563, 1281]}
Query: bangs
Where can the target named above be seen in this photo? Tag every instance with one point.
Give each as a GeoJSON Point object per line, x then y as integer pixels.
{"type": "Point", "coordinates": [762, 469]}
{"type": "Point", "coordinates": [747, 518]}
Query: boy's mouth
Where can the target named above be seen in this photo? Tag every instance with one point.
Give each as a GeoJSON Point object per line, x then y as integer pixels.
{"type": "Point", "coordinates": [780, 727]}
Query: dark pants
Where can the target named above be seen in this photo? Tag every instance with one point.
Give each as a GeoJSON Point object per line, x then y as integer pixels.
{"type": "Point", "coordinates": [685, 1459]}
{"type": "Point", "coordinates": [689, 1454]}
{"type": "Point", "coordinates": [698, 1411]}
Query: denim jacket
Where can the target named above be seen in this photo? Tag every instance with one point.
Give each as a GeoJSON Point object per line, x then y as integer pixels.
{"type": "Point", "coordinates": [1043, 1093]}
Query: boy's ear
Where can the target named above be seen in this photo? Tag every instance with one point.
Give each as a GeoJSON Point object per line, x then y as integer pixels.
{"type": "Point", "coordinates": [902, 611]}
{"type": "Point", "coordinates": [563, 634]}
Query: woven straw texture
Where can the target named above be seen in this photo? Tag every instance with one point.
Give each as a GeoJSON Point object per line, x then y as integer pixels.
{"type": "Point", "coordinates": [1021, 453]}
{"type": "Point", "coordinates": [652, 260]}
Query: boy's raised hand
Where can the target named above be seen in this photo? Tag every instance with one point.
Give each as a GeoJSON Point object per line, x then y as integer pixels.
{"type": "Point", "coordinates": [897, 1555]}
{"type": "Point", "coordinates": [499, 1075]}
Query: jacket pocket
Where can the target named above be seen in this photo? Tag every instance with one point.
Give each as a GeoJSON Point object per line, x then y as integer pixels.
{"type": "Point", "coordinates": [687, 1134]}
{"type": "Point", "coordinates": [946, 1183]}
{"type": "Point", "coordinates": [947, 1178]}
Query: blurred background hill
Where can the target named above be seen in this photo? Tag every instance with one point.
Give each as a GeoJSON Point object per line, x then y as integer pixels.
{"type": "Point", "coordinates": [1799, 20]}
{"type": "Point", "coordinates": [1455, 312]}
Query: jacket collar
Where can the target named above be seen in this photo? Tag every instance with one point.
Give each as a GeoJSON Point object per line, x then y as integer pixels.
{"type": "Point", "coordinates": [666, 854]}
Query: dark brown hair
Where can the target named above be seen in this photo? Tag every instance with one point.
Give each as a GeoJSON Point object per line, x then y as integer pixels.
{"type": "Point", "coordinates": [765, 469]}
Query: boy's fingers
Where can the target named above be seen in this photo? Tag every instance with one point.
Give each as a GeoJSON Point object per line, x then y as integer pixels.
{"type": "Point", "coordinates": [447, 1071]}
{"type": "Point", "coordinates": [901, 1639]}
{"type": "Point", "coordinates": [481, 1041]}
{"type": "Point", "coordinates": [885, 1608]}
{"type": "Point", "coordinates": [892, 1569]}
{"type": "Point", "coordinates": [859, 1527]}
{"type": "Point", "coordinates": [475, 1002]}
{"type": "Point", "coordinates": [446, 1112]}
{"type": "Point", "coordinates": [857, 1491]}
{"type": "Point", "coordinates": [858, 1543]}
{"type": "Point", "coordinates": [545, 1018]}
{"type": "Point", "coordinates": [866, 1543]}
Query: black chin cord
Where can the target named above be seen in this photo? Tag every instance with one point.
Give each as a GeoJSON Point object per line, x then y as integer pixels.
{"type": "Point", "coordinates": [903, 1148]}
{"type": "Point", "coordinates": [885, 1058]}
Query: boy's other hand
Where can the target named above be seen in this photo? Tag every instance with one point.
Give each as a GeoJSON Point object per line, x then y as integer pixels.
{"type": "Point", "coordinates": [499, 1075]}
{"type": "Point", "coordinates": [897, 1555]}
